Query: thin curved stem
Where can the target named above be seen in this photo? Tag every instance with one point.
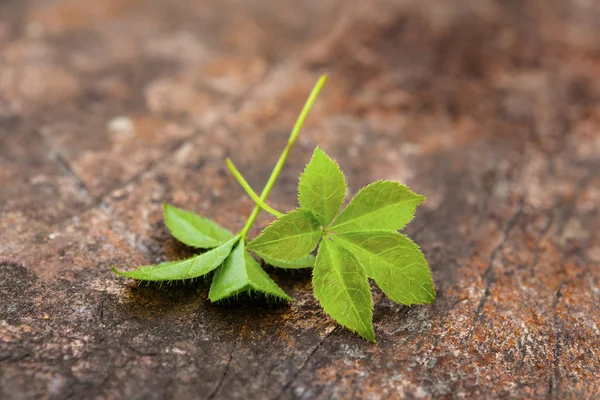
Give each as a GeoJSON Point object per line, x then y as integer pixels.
{"type": "Point", "coordinates": [244, 184]}
{"type": "Point", "coordinates": [284, 154]}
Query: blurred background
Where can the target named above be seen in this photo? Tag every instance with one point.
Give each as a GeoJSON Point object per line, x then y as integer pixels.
{"type": "Point", "coordinates": [108, 88]}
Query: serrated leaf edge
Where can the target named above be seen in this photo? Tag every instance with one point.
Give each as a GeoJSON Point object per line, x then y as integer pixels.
{"type": "Point", "coordinates": [125, 274]}
{"type": "Point", "coordinates": [249, 246]}
{"type": "Point", "coordinates": [344, 244]}
{"type": "Point", "coordinates": [166, 206]}
{"type": "Point", "coordinates": [337, 166]}
{"type": "Point", "coordinates": [333, 225]}
{"type": "Point", "coordinates": [373, 339]}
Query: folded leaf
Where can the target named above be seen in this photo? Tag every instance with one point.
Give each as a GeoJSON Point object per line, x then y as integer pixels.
{"type": "Point", "coordinates": [380, 205]}
{"type": "Point", "coordinates": [395, 263]}
{"type": "Point", "coordinates": [290, 238]}
{"type": "Point", "coordinates": [193, 230]}
{"type": "Point", "coordinates": [183, 269]}
{"type": "Point", "coordinates": [306, 262]}
{"type": "Point", "coordinates": [322, 187]}
{"type": "Point", "coordinates": [341, 286]}
{"type": "Point", "coordinates": [241, 273]}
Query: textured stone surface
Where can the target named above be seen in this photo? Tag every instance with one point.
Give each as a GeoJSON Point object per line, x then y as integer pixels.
{"type": "Point", "coordinates": [491, 109]}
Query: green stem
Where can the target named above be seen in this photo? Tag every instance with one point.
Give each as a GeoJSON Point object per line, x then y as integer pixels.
{"type": "Point", "coordinates": [242, 181]}
{"type": "Point", "coordinates": [299, 122]}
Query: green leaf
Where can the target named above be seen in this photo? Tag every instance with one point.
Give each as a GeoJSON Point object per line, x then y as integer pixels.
{"type": "Point", "coordinates": [322, 187]}
{"type": "Point", "coordinates": [290, 238]}
{"type": "Point", "coordinates": [380, 205]}
{"type": "Point", "coordinates": [341, 286]}
{"type": "Point", "coordinates": [306, 262]}
{"type": "Point", "coordinates": [394, 261]}
{"type": "Point", "coordinates": [241, 273]}
{"type": "Point", "coordinates": [193, 230]}
{"type": "Point", "coordinates": [183, 269]}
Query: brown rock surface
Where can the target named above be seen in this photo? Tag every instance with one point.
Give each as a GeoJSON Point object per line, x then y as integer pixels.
{"type": "Point", "coordinates": [491, 109]}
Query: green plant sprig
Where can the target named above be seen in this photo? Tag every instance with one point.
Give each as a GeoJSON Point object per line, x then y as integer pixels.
{"type": "Point", "coordinates": [236, 270]}
{"type": "Point", "coordinates": [354, 244]}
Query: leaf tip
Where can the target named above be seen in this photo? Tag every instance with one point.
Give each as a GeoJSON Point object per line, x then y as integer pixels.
{"type": "Point", "coordinates": [284, 299]}
{"type": "Point", "coordinates": [432, 296]}
{"type": "Point", "coordinates": [369, 334]}
{"type": "Point", "coordinates": [166, 209]}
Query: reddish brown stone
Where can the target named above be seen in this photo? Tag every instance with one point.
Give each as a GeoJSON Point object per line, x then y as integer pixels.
{"type": "Point", "coordinates": [490, 109]}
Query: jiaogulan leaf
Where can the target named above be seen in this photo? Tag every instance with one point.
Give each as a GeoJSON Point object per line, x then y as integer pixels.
{"type": "Point", "coordinates": [184, 269]}
{"type": "Point", "coordinates": [380, 205]}
{"type": "Point", "coordinates": [290, 238]}
{"type": "Point", "coordinates": [306, 262]}
{"type": "Point", "coordinates": [395, 263]}
{"type": "Point", "coordinates": [241, 273]}
{"type": "Point", "coordinates": [322, 187]}
{"type": "Point", "coordinates": [341, 286]}
{"type": "Point", "coordinates": [193, 230]}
